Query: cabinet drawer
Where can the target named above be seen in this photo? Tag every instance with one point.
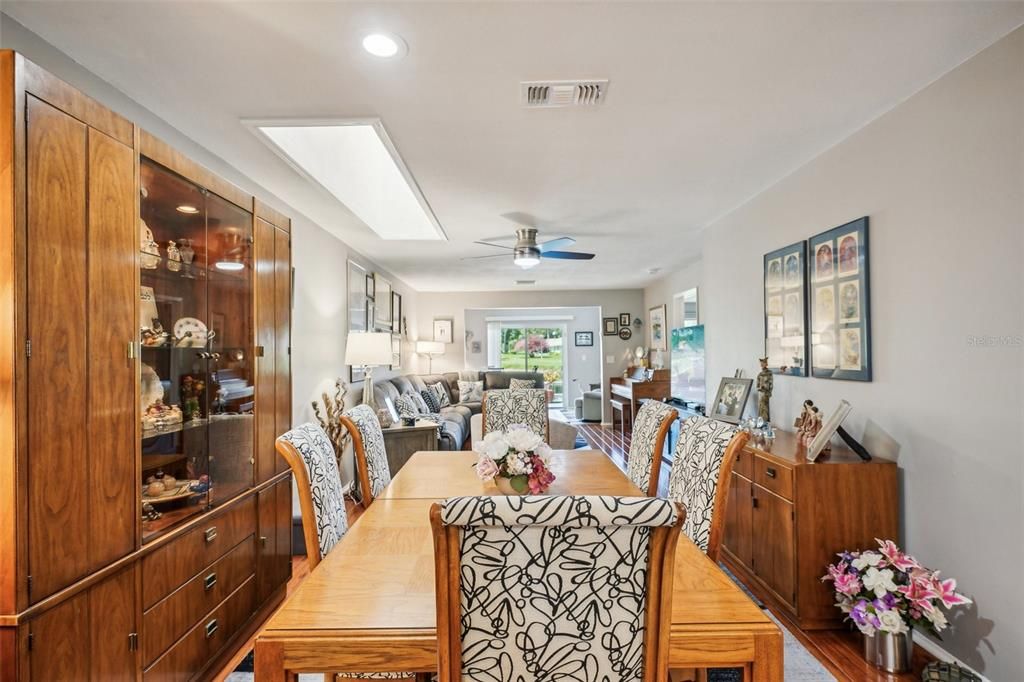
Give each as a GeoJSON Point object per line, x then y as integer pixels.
{"type": "Point", "coordinates": [169, 567]}
{"type": "Point", "coordinates": [774, 477]}
{"type": "Point", "coordinates": [744, 465]}
{"type": "Point", "coordinates": [171, 618]}
{"type": "Point", "coordinates": [206, 639]}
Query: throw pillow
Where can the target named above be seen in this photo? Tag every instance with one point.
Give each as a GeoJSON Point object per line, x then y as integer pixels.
{"type": "Point", "coordinates": [431, 400]}
{"type": "Point", "coordinates": [406, 407]}
{"type": "Point", "coordinates": [421, 404]}
{"type": "Point", "coordinates": [441, 391]}
{"type": "Point", "coordinates": [471, 391]}
{"type": "Point", "coordinates": [518, 384]}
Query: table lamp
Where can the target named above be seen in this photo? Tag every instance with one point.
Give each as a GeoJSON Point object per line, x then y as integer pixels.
{"type": "Point", "coordinates": [430, 349]}
{"type": "Point", "coordinates": [368, 350]}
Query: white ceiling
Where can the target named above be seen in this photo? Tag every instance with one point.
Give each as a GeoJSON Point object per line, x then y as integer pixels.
{"type": "Point", "coordinates": [708, 104]}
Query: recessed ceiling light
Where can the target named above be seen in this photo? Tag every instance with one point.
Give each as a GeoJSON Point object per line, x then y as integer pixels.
{"type": "Point", "coordinates": [229, 265]}
{"type": "Point", "coordinates": [185, 208]}
{"type": "Point", "coordinates": [384, 45]}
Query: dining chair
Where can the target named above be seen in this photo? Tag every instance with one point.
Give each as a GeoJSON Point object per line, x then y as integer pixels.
{"type": "Point", "coordinates": [650, 427]}
{"type": "Point", "coordinates": [570, 588]}
{"type": "Point", "coordinates": [370, 454]}
{"type": "Point", "coordinates": [699, 479]}
{"type": "Point", "coordinates": [505, 406]}
{"type": "Point", "coordinates": [309, 453]}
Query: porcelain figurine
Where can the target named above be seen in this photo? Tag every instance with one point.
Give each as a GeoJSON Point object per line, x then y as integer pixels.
{"type": "Point", "coordinates": [150, 249]}
{"type": "Point", "coordinates": [187, 255]}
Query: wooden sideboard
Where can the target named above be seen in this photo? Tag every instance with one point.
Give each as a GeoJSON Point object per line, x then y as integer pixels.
{"type": "Point", "coordinates": [787, 518]}
{"type": "Point", "coordinates": [402, 442]}
{"type": "Point", "coordinates": [93, 585]}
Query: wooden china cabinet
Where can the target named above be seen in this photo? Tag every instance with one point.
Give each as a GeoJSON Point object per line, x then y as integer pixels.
{"type": "Point", "coordinates": [145, 520]}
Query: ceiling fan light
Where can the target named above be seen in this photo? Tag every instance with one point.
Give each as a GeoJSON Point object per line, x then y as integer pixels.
{"type": "Point", "coordinates": [526, 257]}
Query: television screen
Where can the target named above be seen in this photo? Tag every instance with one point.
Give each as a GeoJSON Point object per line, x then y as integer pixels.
{"type": "Point", "coordinates": [688, 364]}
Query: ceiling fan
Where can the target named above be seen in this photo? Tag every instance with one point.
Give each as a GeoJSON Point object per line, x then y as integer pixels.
{"type": "Point", "coordinates": [527, 252]}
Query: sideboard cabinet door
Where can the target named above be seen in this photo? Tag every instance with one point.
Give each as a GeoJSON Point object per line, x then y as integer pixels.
{"type": "Point", "coordinates": [275, 538]}
{"type": "Point", "coordinates": [774, 547]}
{"type": "Point", "coordinates": [283, 318]}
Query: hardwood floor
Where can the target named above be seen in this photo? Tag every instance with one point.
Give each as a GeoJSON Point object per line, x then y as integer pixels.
{"type": "Point", "coordinates": [837, 650]}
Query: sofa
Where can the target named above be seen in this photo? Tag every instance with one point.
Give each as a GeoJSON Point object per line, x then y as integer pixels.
{"type": "Point", "coordinates": [456, 417]}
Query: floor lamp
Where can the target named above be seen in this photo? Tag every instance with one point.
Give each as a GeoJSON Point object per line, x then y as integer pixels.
{"type": "Point", "coordinates": [430, 349]}
{"type": "Point", "coordinates": [368, 350]}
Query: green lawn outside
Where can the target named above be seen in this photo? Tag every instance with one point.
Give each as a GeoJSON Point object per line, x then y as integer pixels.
{"type": "Point", "coordinates": [542, 363]}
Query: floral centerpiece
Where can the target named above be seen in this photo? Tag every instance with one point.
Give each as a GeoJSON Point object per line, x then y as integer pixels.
{"type": "Point", "coordinates": [517, 459]}
{"type": "Point", "coordinates": [885, 593]}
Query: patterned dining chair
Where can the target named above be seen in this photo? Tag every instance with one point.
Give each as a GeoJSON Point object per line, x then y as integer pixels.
{"type": "Point", "coordinates": [368, 446]}
{"type": "Point", "coordinates": [699, 479]}
{"type": "Point", "coordinates": [650, 427]}
{"type": "Point", "coordinates": [503, 407]}
{"type": "Point", "coordinates": [309, 453]}
{"type": "Point", "coordinates": [567, 588]}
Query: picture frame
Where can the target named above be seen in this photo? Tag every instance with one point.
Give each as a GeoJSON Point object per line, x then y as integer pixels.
{"type": "Point", "coordinates": [584, 339]}
{"type": "Point", "coordinates": [685, 309]}
{"type": "Point", "coordinates": [610, 326]}
{"type": "Point", "coordinates": [624, 319]}
{"type": "Point", "coordinates": [396, 312]}
{"type": "Point", "coordinates": [443, 329]}
{"type": "Point", "coordinates": [785, 309]}
{"type": "Point", "coordinates": [625, 333]}
{"type": "Point", "coordinates": [828, 429]}
{"type": "Point", "coordinates": [657, 323]}
{"type": "Point", "coordinates": [382, 318]}
{"type": "Point", "coordinates": [396, 351]}
{"type": "Point", "coordinates": [370, 289]}
{"type": "Point", "coordinates": [389, 405]}
{"type": "Point", "coordinates": [357, 281]}
{"type": "Point", "coordinates": [731, 399]}
{"type": "Point", "coordinates": [840, 306]}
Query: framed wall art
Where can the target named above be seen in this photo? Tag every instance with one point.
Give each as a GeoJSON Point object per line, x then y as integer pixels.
{"type": "Point", "coordinates": [657, 323]}
{"type": "Point", "coordinates": [785, 309]}
{"type": "Point", "coordinates": [396, 351]}
{"type": "Point", "coordinates": [396, 312]}
{"type": "Point", "coordinates": [443, 329]}
{"type": "Point", "coordinates": [840, 311]}
{"type": "Point", "coordinates": [624, 319]}
{"type": "Point", "coordinates": [610, 326]}
{"type": "Point", "coordinates": [382, 298]}
{"type": "Point", "coordinates": [584, 338]}
{"type": "Point", "coordinates": [357, 281]}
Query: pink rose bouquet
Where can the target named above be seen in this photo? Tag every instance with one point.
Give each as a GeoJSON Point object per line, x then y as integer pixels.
{"type": "Point", "coordinates": [888, 590]}
{"type": "Point", "coordinates": [518, 455]}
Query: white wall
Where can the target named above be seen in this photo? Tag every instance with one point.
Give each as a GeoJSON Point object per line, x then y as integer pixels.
{"type": "Point", "coordinates": [319, 320]}
{"type": "Point", "coordinates": [454, 305]}
{"type": "Point", "coordinates": [941, 179]}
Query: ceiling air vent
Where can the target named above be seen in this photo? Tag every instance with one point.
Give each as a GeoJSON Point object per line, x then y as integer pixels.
{"type": "Point", "coordinates": [563, 93]}
{"type": "Point", "coordinates": [525, 282]}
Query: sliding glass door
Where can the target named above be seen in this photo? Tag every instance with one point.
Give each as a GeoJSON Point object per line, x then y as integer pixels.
{"type": "Point", "coordinates": [535, 349]}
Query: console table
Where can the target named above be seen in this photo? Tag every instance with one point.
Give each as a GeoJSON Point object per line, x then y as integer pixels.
{"type": "Point", "coordinates": [787, 518]}
{"type": "Point", "coordinates": [401, 442]}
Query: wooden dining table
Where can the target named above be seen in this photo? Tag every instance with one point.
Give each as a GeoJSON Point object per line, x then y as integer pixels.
{"type": "Point", "coordinates": [370, 606]}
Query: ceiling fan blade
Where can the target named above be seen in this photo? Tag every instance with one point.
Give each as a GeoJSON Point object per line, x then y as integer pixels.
{"type": "Point", "coordinates": [558, 243]}
{"type": "Point", "coordinates": [497, 246]}
{"type": "Point", "coordinates": [493, 255]}
{"type": "Point", "coordinates": [566, 255]}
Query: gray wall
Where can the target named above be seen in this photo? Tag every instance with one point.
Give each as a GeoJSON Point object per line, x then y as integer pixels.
{"type": "Point", "coordinates": [941, 178]}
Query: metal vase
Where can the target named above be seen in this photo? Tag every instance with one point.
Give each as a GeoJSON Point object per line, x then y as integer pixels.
{"type": "Point", "coordinates": [888, 651]}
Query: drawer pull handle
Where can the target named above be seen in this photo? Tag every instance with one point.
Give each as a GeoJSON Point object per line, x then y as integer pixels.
{"type": "Point", "coordinates": [754, 501]}
{"type": "Point", "coordinates": [211, 534]}
{"type": "Point", "coordinates": [211, 628]}
{"type": "Point", "coordinates": [209, 581]}
{"type": "Point", "coordinates": [770, 472]}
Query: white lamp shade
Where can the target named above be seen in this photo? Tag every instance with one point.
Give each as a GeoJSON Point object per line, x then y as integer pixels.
{"type": "Point", "coordinates": [430, 347]}
{"type": "Point", "coordinates": [368, 349]}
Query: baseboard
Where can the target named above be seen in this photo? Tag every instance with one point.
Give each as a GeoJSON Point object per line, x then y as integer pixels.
{"type": "Point", "coordinates": [933, 647]}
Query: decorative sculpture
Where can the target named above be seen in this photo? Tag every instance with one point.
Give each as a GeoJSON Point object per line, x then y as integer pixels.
{"type": "Point", "coordinates": [765, 385]}
{"type": "Point", "coordinates": [333, 408]}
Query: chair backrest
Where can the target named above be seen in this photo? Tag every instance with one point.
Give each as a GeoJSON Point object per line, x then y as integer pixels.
{"type": "Point", "coordinates": [503, 407]}
{"type": "Point", "coordinates": [309, 453]}
{"type": "Point", "coordinates": [368, 447]}
{"type": "Point", "coordinates": [650, 426]}
{"type": "Point", "coordinates": [559, 587]}
{"type": "Point", "coordinates": [699, 479]}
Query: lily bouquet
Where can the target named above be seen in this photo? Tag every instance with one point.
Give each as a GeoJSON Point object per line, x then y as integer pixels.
{"type": "Point", "coordinates": [517, 456]}
{"type": "Point", "coordinates": [889, 591]}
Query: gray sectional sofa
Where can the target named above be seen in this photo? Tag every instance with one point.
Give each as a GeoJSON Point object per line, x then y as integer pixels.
{"type": "Point", "coordinates": [456, 417]}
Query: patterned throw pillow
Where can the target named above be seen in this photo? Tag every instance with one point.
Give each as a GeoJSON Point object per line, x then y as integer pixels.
{"type": "Point", "coordinates": [406, 406]}
{"type": "Point", "coordinates": [519, 384]}
{"type": "Point", "coordinates": [433, 407]}
{"type": "Point", "coordinates": [471, 391]}
{"type": "Point", "coordinates": [441, 391]}
{"type": "Point", "coordinates": [421, 404]}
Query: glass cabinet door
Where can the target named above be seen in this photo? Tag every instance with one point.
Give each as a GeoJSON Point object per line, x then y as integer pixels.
{"type": "Point", "coordinates": [174, 354]}
{"type": "Point", "coordinates": [232, 368]}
